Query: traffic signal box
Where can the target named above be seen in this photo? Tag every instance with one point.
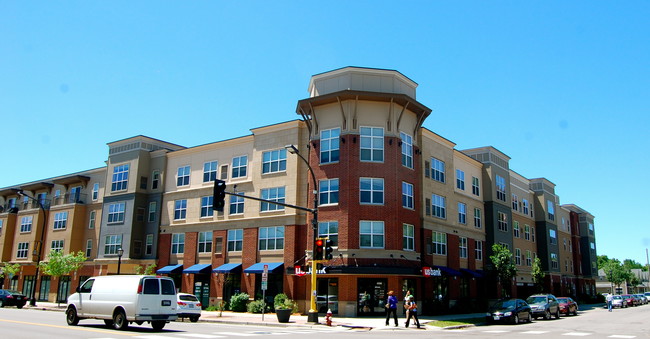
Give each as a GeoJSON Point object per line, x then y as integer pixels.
{"type": "Point", "coordinates": [328, 249]}
{"type": "Point", "coordinates": [319, 248]}
{"type": "Point", "coordinates": [219, 195]}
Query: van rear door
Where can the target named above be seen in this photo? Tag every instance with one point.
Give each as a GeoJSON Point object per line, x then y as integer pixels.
{"type": "Point", "coordinates": [158, 297]}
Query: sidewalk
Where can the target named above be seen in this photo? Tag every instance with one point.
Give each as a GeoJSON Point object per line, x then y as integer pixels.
{"type": "Point", "coordinates": [298, 320]}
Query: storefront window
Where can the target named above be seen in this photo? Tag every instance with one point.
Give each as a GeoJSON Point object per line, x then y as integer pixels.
{"type": "Point", "coordinates": [327, 297]}
{"type": "Point", "coordinates": [371, 296]}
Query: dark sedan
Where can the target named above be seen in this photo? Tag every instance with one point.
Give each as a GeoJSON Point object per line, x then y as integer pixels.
{"type": "Point", "coordinates": [509, 310]}
{"type": "Point", "coordinates": [12, 298]}
{"type": "Point", "coordinates": [567, 306]}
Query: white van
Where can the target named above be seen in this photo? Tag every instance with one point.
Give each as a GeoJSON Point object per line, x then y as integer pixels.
{"type": "Point", "coordinates": [123, 299]}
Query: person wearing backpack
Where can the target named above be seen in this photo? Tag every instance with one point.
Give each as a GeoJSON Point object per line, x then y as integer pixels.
{"type": "Point", "coordinates": [412, 312]}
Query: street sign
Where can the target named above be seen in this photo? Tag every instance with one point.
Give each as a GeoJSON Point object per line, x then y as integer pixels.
{"type": "Point", "coordinates": [264, 285]}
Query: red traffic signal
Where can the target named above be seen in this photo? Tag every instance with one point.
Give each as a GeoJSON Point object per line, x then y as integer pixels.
{"type": "Point", "coordinates": [319, 249]}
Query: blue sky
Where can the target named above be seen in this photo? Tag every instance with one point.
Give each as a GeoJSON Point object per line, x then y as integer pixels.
{"type": "Point", "coordinates": [563, 88]}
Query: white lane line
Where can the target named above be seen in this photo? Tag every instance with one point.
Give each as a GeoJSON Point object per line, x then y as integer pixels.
{"type": "Point", "coordinates": [199, 335]}
{"type": "Point", "coordinates": [238, 334]}
{"type": "Point", "coordinates": [577, 334]}
{"type": "Point", "coordinates": [622, 336]}
{"type": "Point", "coordinates": [534, 332]}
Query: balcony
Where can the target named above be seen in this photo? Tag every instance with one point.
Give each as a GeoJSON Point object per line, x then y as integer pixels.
{"type": "Point", "coordinates": [70, 198]}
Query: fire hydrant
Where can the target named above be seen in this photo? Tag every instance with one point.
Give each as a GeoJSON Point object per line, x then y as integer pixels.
{"type": "Point", "coordinates": [328, 318]}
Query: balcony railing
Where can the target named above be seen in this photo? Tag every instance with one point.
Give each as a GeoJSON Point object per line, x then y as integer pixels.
{"type": "Point", "coordinates": [70, 198]}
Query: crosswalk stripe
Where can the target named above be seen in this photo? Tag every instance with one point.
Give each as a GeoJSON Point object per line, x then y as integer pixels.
{"type": "Point", "coordinates": [577, 334]}
{"type": "Point", "coordinates": [199, 335]}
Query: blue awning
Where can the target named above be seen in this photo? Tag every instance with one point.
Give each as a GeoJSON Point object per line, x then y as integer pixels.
{"type": "Point", "coordinates": [198, 269]}
{"type": "Point", "coordinates": [449, 271]}
{"type": "Point", "coordinates": [474, 274]}
{"type": "Point", "coordinates": [171, 269]}
{"type": "Point", "coordinates": [228, 268]}
{"type": "Point", "coordinates": [274, 267]}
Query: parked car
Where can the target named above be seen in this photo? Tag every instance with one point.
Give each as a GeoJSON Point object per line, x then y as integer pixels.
{"type": "Point", "coordinates": [189, 306]}
{"type": "Point", "coordinates": [567, 306]}
{"type": "Point", "coordinates": [331, 303]}
{"type": "Point", "coordinates": [618, 301]}
{"type": "Point", "coordinates": [629, 300]}
{"type": "Point", "coordinates": [509, 310]}
{"type": "Point", "coordinates": [544, 305]}
{"type": "Point", "coordinates": [640, 299]}
{"type": "Point", "coordinates": [647, 296]}
{"type": "Point", "coordinates": [12, 298]}
{"type": "Point", "coordinates": [123, 299]}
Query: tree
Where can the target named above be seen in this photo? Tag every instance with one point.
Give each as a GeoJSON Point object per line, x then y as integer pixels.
{"type": "Point", "coordinates": [9, 270]}
{"type": "Point", "coordinates": [538, 274]}
{"type": "Point", "coordinates": [615, 273]}
{"type": "Point", "coordinates": [602, 260]}
{"type": "Point", "coordinates": [59, 264]}
{"type": "Point", "coordinates": [149, 270]}
{"type": "Point", "coordinates": [504, 266]}
{"type": "Point", "coordinates": [632, 264]}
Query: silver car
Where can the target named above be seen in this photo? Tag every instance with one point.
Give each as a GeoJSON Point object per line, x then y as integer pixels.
{"type": "Point", "coordinates": [618, 301]}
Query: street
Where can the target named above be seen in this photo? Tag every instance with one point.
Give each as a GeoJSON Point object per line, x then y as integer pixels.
{"type": "Point", "coordinates": [591, 323]}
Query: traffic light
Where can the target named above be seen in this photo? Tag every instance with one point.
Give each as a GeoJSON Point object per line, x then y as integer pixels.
{"type": "Point", "coordinates": [219, 195]}
{"type": "Point", "coordinates": [328, 249]}
{"type": "Point", "coordinates": [319, 249]}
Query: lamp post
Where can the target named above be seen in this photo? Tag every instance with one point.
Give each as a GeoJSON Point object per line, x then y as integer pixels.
{"type": "Point", "coordinates": [120, 252]}
{"type": "Point", "coordinates": [37, 246]}
{"type": "Point", "coordinates": [312, 316]}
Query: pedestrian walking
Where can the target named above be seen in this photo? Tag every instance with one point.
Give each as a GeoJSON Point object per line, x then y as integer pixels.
{"type": "Point", "coordinates": [412, 312]}
{"type": "Point", "coordinates": [610, 299]}
{"type": "Point", "coordinates": [406, 301]}
{"type": "Point", "coordinates": [391, 307]}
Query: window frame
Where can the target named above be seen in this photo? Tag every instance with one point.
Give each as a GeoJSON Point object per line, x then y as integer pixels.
{"type": "Point", "coordinates": [371, 146]}
{"type": "Point", "coordinates": [210, 171]}
{"type": "Point", "coordinates": [327, 195]}
{"type": "Point", "coordinates": [438, 206]}
{"type": "Point", "coordinates": [277, 194]}
{"type": "Point", "coordinates": [330, 146]}
{"type": "Point", "coordinates": [407, 149]}
{"type": "Point", "coordinates": [180, 209]}
{"type": "Point", "coordinates": [438, 172]}
{"type": "Point", "coordinates": [372, 231]}
{"type": "Point", "coordinates": [112, 243]}
{"type": "Point", "coordinates": [60, 220]}
{"type": "Point", "coordinates": [460, 179]}
{"type": "Point", "coordinates": [183, 174]}
{"type": "Point", "coordinates": [204, 242]}
{"type": "Point", "coordinates": [120, 178]}
{"type": "Point", "coordinates": [330, 230]}
{"type": "Point", "coordinates": [236, 204]}
{"type": "Point", "coordinates": [26, 223]}
{"type": "Point", "coordinates": [462, 213]}
{"type": "Point", "coordinates": [408, 195]}
{"type": "Point", "coordinates": [271, 234]}
{"type": "Point", "coordinates": [239, 170]}
{"type": "Point", "coordinates": [408, 237]}
{"type": "Point", "coordinates": [235, 240]}
{"type": "Point", "coordinates": [274, 161]}
{"type": "Point", "coordinates": [367, 186]}
{"type": "Point", "coordinates": [116, 212]}
{"type": "Point", "coordinates": [439, 243]}
{"type": "Point", "coordinates": [206, 206]}
{"type": "Point", "coordinates": [177, 243]}
{"type": "Point", "coordinates": [463, 252]}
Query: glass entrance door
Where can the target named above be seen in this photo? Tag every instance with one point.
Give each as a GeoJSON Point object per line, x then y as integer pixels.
{"type": "Point", "coordinates": [371, 296]}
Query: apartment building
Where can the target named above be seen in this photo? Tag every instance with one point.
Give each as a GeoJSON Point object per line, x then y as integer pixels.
{"type": "Point", "coordinates": [404, 208]}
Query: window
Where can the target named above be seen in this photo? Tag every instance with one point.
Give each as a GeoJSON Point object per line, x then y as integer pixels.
{"type": "Point", "coordinates": [23, 249]}
{"type": "Point", "coordinates": [502, 221]}
{"type": "Point", "coordinates": [273, 194]}
{"type": "Point", "coordinates": [120, 178]}
{"type": "Point", "coordinates": [477, 218]}
{"type": "Point", "coordinates": [236, 204]}
{"type": "Point", "coordinates": [532, 234]}
{"type": "Point", "coordinates": [515, 229]}
{"type": "Point", "coordinates": [407, 150]}
{"type": "Point", "coordinates": [26, 224]}
{"type": "Point", "coordinates": [95, 191]}
{"type": "Point", "coordinates": [206, 206]}
{"type": "Point", "coordinates": [205, 242]}
{"type": "Point", "coordinates": [475, 186]}
{"type": "Point", "coordinates": [525, 207]}
{"type": "Point", "coordinates": [91, 221]}
{"type": "Point", "coordinates": [116, 213]}
{"type": "Point", "coordinates": [478, 249]}
{"type": "Point", "coordinates": [89, 248]}
{"type": "Point", "coordinates": [371, 190]}
{"type": "Point", "coordinates": [371, 234]}
{"type": "Point", "coordinates": [592, 245]}
{"type": "Point", "coordinates": [11, 203]}
{"type": "Point", "coordinates": [438, 206]}
{"type": "Point", "coordinates": [529, 258]}
{"type": "Point", "coordinates": [407, 195]}
{"type": "Point", "coordinates": [239, 166]}
{"type": "Point", "coordinates": [274, 161]}
{"type": "Point", "coordinates": [235, 240]}
{"type": "Point", "coordinates": [554, 262]}
{"type": "Point", "coordinates": [112, 243]}
{"type": "Point", "coordinates": [439, 243]}
{"type": "Point", "coordinates": [501, 188]}
{"type": "Point", "coordinates": [271, 238]}
{"type": "Point", "coordinates": [143, 182]}
{"type": "Point", "coordinates": [372, 144]}
{"type": "Point", "coordinates": [515, 202]}
{"type": "Point", "coordinates": [224, 172]}
{"type": "Point", "coordinates": [329, 145]}
{"type": "Point", "coordinates": [148, 244]}
{"type": "Point", "coordinates": [460, 179]}
{"type": "Point", "coordinates": [1, 222]}
{"type": "Point", "coordinates": [591, 228]}
{"type": "Point", "coordinates": [60, 220]}
{"type": "Point", "coordinates": [553, 237]}
{"type": "Point", "coordinates": [178, 243]}
{"type": "Point", "coordinates": [155, 180]}
{"type": "Point", "coordinates": [437, 170]}
{"type": "Point", "coordinates": [462, 246]}
{"type": "Point", "coordinates": [56, 246]}
{"type": "Point", "coordinates": [329, 229]}
{"type": "Point", "coordinates": [153, 206]}
{"type": "Point", "coordinates": [183, 176]}
{"type": "Point", "coordinates": [551, 210]}
{"type": "Point", "coordinates": [527, 232]}
{"type": "Point", "coordinates": [564, 241]}
{"type": "Point", "coordinates": [517, 257]}
{"type": "Point", "coordinates": [210, 171]}
{"type": "Point", "coordinates": [180, 209]}
{"type": "Point", "coordinates": [462, 213]}
{"type": "Point", "coordinates": [328, 192]}
{"type": "Point", "coordinates": [408, 237]}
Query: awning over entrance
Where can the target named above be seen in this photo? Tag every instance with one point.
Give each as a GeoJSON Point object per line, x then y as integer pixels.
{"type": "Point", "coordinates": [171, 269]}
{"type": "Point", "coordinates": [274, 267]}
{"type": "Point", "coordinates": [472, 273]}
{"type": "Point", "coordinates": [449, 271]}
{"type": "Point", "coordinates": [198, 269]}
{"type": "Point", "coordinates": [228, 268]}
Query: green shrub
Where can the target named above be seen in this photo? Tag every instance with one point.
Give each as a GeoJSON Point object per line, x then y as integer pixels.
{"type": "Point", "coordinates": [211, 308]}
{"type": "Point", "coordinates": [279, 300]}
{"type": "Point", "coordinates": [257, 306]}
{"type": "Point", "coordinates": [238, 302]}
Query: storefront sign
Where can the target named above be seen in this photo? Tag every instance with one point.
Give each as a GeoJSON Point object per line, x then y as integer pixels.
{"type": "Point", "coordinates": [431, 272]}
{"type": "Point", "coordinates": [299, 271]}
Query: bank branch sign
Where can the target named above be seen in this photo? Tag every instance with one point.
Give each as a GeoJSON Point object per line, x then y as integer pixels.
{"type": "Point", "coordinates": [431, 272]}
{"type": "Point", "coordinates": [300, 271]}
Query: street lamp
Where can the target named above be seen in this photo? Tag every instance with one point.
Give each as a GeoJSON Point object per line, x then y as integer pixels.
{"type": "Point", "coordinates": [312, 316]}
{"type": "Point", "coordinates": [37, 246]}
{"type": "Point", "coordinates": [120, 252]}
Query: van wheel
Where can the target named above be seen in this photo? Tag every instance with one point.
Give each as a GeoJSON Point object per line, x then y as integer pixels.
{"type": "Point", "coordinates": [194, 318]}
{"type": "Point", "coordinates": [71, 316]}
{"type": "Point", "coordinates": [158, 325]}
{"type": "Point", "coordinates": [119, 320]}
{"type": "Point", "coordinates": [108, 322]}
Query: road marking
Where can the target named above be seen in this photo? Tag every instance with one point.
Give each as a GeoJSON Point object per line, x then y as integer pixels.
{"type": "Point", "coordinates": [199, 335]}
{"type": "Point", "coordinates": [621, 336]}
{"type": "Point", "coordinates": [77, 328]}
{"type": "Point", "coordinates": [496, 331]}
{"type": "Point", "coordinates": [240, 334]}
{"type": "Point", "coordinates": [577, 334]}
{"type": "Point", "coordinates": [535, 332]}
